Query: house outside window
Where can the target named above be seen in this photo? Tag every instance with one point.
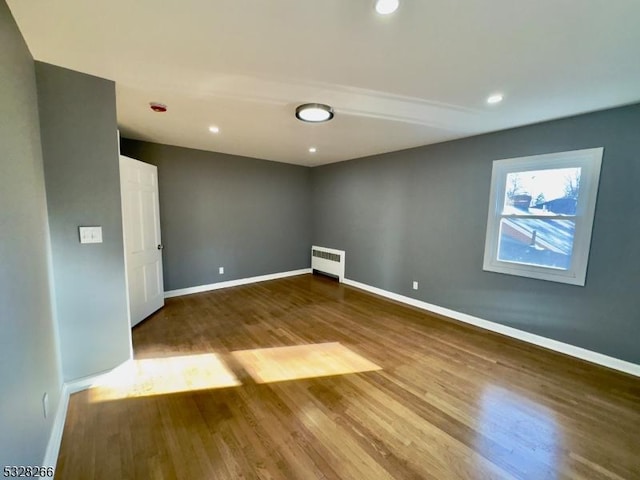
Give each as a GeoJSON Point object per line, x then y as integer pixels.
{"type": "Point", "coordinates": [541, 212]}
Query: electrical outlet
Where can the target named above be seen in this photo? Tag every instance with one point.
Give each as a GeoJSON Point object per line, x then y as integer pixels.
{"type": "Point", "coordinates": [45, 404]}
{"type": "Point", "coordinates": [221, 270]}
{"type": "Point", "coordinates": [415, 285]}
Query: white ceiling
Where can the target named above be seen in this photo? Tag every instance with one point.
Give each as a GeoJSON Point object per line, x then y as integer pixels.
{"type": "Point", "coordinates": [418, 76]}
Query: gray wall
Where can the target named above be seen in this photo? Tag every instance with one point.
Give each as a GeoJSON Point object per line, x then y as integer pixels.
{"type": "Point", "coordinates": [421, 214]}
{"type": "Point", "coordinates": [29, 364]}
{"type": "Point", "coordinates": [80, 150]}
{"type": "Point", "coordinates": [246, 215]}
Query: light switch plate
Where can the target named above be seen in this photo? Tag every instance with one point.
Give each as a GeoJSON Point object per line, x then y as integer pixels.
{"type": "Point", "coordinates": [90, 234]}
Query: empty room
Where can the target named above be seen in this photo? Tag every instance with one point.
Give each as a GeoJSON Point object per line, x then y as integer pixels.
{"type": "Point", "coordinates": [304, 239]}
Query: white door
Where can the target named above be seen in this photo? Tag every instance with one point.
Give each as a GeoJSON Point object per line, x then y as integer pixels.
{"type": "Point", "coordinates": [142, 243]}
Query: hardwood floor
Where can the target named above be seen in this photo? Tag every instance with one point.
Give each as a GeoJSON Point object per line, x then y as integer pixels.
{"type": "Point", "coordinates": [450, 401]}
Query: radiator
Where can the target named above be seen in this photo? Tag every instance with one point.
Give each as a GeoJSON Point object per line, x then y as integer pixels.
{"type": "Point", "coordinates": [328, 261]}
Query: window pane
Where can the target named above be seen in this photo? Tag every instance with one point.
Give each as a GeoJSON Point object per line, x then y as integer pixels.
{"type": "Point", "coordinates": [539, 192]}
{"type": "Point", "coordinates": [544, 243]}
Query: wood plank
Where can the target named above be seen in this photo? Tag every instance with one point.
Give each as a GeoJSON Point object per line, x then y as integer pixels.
{"type": "Point", "coordinates": [450, 401]}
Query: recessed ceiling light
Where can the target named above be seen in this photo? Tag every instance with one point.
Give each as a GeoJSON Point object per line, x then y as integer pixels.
{"type": "Point", "coordinates": [495, 98]}
{"type": "Point", "coordinates": [385, 7]}
{"type": "Point", "coordinates": [314, 112]}
{"type": "Point", "coordinates": [312, 150]}
{"type": "Point", "coordinates": [214, 129]}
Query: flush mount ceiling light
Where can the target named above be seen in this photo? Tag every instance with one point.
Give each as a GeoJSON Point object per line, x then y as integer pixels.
{"type": "Point", "coordinates": [314, 112]}
{"type": "Point", "coordinates": [385, 7]}
{"type": "Point", "coordinates": [495, 98]}
{"type": "Point", "coordinates": [214, 129]}
{"type": "Point", "coordinates": [313, 149]}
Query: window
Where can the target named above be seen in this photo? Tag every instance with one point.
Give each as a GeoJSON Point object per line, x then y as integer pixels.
{"type": "Point", "coordinates": [541, 214]}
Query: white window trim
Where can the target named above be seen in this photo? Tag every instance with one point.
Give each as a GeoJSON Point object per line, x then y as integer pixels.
{"type": "Point", "coordinates": [590, 161]}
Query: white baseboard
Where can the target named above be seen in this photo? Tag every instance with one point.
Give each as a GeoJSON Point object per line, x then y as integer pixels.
{"type": "Point", "coordinates": [567, 349]}
{"type": "Point", "coordinates": [234, 283]}
{"type": "Point", "coordinates": [53, 447]}
{"type": "Point", "coordinates": [68, 388]}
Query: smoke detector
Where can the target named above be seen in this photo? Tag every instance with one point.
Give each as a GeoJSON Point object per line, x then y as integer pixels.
{"type": "Point", "coordinates": [158, 107]}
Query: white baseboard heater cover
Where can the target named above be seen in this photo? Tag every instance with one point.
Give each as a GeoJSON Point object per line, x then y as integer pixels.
{"type": "Point", "coordinates": [328, 261]}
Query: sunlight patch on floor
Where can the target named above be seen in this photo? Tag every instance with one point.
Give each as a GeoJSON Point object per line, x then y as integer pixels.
{"type": "Point", "coordinates": [158, 376]}
{"type": "Point", "coordinates": [278, 364]}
